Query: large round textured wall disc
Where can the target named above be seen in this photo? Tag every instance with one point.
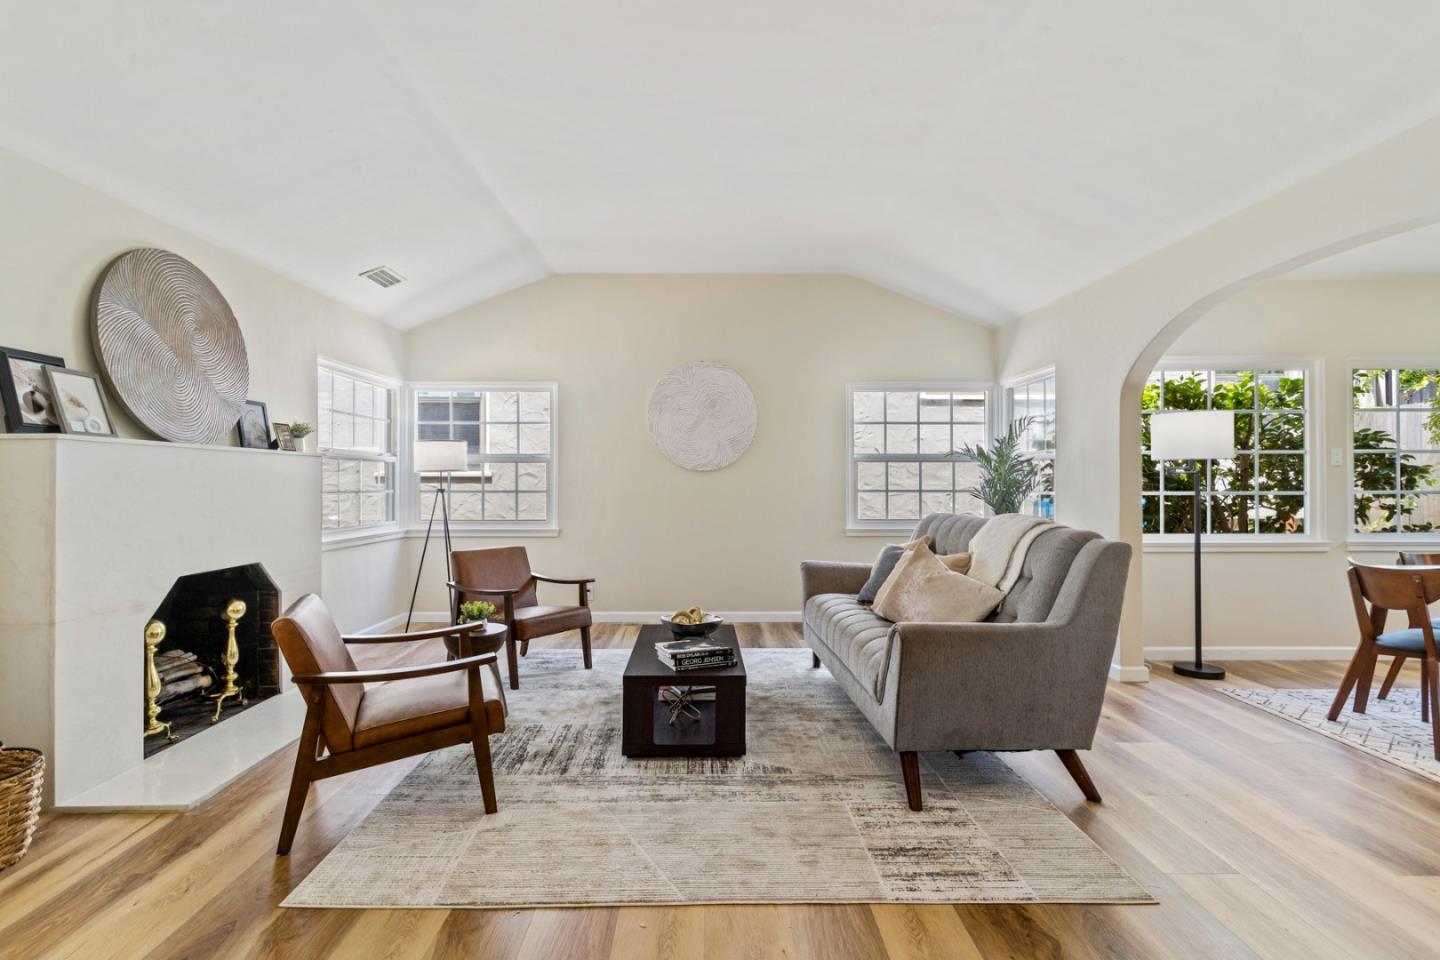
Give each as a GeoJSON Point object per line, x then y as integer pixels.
{"type": "Point", "coordinates": [702, 415]}
{"type": "Point", "coordinates": [169, 346]}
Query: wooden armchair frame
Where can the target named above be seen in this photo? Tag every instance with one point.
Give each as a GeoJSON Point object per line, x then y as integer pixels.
{"type": "Point", "coordinates": [310, 765]}
{"type": "Point", "coordinates": [515, 649]}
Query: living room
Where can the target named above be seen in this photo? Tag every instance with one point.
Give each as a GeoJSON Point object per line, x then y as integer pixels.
{"type": "Point", "coordinates": [487, 368]}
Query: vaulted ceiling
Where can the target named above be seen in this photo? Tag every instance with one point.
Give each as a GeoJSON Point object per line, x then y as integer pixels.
{"type": "Point", "coordinates": [986, 157]}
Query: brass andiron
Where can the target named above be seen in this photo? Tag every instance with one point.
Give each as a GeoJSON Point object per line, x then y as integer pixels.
{"type": "Point", "coordinates": [234, 610]}
{"type": "Point", "coordinates": [154, 634]}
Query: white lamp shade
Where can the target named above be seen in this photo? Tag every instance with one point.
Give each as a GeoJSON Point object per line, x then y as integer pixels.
{"type": "Point", "coordinates": [440, 456]}
{"type": "Point", "coordinates": [1192, 435]}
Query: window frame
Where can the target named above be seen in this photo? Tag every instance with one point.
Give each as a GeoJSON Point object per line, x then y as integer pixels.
{"type": "Point", "coordinates": [412, 519]}
{"type": "Point", "coordinates": [1314, 412]}
{"type": "Point", "coordinates": [1007, 391]}
{"type": "Point", "coordinates": [1395, 539]}
{"type": "Point", "coordinates": [886, 528]}
{"type": "Point", "coordinates": [392, 385]}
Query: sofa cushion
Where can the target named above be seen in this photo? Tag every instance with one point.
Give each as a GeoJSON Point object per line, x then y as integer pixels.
{"type": "Point", "coordinates": [857, 637]}
{"type": "Point", "coordinates": [925, 588]}
{"type": "Point", "coordinates": [1046, 565]}
{"type": "Point", "coordinates": [884, 565]}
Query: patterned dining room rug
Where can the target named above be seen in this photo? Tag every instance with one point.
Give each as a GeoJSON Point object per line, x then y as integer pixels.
{"type": "Point", "coordinates": [814, 813]}
{"type": "Point", "coordinates": [1390, 729]}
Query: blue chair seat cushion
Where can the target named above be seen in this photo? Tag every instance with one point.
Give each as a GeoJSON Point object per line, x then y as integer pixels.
{"type": "Point", "coordinates": [1409, 641]}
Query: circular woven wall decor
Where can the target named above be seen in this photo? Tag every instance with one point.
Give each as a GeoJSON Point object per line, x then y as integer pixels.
{"type": "Point", "coordinates": [169, 346]}
{"type": "Point", "coordinates": [702, 415]}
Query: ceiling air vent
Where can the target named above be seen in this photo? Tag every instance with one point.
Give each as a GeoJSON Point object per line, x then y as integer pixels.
{"type": "Point", "coordinates": [384, 276]}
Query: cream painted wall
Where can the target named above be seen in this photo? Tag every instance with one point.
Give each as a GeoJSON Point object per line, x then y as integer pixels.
{"type": "Point", "coordinates": [56, 236]}
{"type": "Point", "coordinates": [1103, 338]}
{"type": "Point", "coordinates": [1305, 607]}
{"type": "Point", "coordinates": [658, 537]}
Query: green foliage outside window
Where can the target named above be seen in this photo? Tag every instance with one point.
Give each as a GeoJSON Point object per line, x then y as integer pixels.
{"type": "Point", "coordinates": [1396, 439]}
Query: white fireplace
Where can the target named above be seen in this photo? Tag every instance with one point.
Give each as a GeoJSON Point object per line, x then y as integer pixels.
{"type": "Point", "coordinates": [95, 532]}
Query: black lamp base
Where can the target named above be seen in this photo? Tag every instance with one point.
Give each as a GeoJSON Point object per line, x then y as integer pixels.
{"type": "Point", "coordinates": [1201, 671]}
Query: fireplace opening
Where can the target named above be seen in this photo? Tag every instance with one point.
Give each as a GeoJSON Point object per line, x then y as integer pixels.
{"type": "Point", "coordinates": [193, 676]}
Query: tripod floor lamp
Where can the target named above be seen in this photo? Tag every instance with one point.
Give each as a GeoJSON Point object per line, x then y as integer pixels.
{"type": "Point", "coordinates": [443, 457]}
{"type": "Point", "coordinates": [1197, 435]}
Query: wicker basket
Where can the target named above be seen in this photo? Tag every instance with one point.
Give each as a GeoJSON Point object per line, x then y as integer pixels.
{"type": "Point", "coordinates": [22, 777]}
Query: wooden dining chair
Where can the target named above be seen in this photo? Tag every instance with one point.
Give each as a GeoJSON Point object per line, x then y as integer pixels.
{"type": "Point", "coordinates": [1397, 663]}
{"type": "Point", "coordinates": [406, 710]}
{"type": "Point", "coordinates": [503, 576]}
{"type": "Point", "coordinates": [1377, 590]}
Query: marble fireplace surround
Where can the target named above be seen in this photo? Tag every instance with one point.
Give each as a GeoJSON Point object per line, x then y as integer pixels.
{"type": "Point", "coordinates": [95, 533]}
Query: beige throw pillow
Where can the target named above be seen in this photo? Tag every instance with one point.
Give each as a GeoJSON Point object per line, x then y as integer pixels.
{"type": "Point", "coordinates": [934, 589]}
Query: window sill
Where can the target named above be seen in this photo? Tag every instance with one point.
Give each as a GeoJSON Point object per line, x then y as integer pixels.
{"type": "Point", "coordinates": [341, 539]}
{"type": "Point", "coordinates": [1186, 544]}
{"type": "Point", "coordinates": [1394, 543]}
{"type": "Point", "coordinates": [461, 531]}
{"type": "Point", "coordinates": [886, 532]}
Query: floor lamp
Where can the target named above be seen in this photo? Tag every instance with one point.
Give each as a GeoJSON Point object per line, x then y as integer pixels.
{"type": "Point", "coordinates": [1198, 435]}
{"type": "Point", "coordinates": [443, 457]}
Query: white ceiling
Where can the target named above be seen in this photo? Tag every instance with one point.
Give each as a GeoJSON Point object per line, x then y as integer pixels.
{"type": "Point", "coordinates": [1412, 254]}
{"type": "Point", "coordinates": [987, 157]}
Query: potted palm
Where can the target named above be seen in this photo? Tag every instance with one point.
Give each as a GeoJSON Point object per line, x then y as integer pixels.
{"type": "Point", "coordinates": [1007, 475]}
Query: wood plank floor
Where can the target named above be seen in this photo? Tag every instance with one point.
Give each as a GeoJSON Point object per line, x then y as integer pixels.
{"type": "Point", "coordinates": [1258, 838]}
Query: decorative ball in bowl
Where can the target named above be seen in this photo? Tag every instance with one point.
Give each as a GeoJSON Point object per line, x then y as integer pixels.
{"type": "Point", "coordinates": [693, 622]}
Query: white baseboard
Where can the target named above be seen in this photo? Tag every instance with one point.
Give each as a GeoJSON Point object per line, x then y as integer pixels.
{"type": "Point", "coordinates": [600, 616]}
{"type": "Point", "coordinates": [734, 616]}
{"type": "Point", "coordinates": [1221, 654]}
{"type": "Point", "coordinates": [1130, 674]}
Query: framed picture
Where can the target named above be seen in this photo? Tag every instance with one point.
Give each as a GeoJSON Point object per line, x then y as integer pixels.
{"type": "Point", "coordinates": [25, 391]}
{"type": "Point", "coordinates": [254, 426]}
{"type": "Point", "coordinates": [80, 402]}
{"type": "Point", "coordinates": [283, 436]}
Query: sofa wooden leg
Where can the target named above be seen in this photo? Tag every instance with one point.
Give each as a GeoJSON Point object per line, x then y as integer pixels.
{"type": "Point", "coordinates": [1079, 774]}
{"type": "Point", "coordinates": [910, 766]}
{"type": "Point", "coordinates": [814, 660]}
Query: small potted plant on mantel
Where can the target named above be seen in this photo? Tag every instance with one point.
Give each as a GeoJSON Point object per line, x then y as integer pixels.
{"type": "Point", "coordinates": [476, 611]}
{"type": "Point", "coordinates": [304, 436]}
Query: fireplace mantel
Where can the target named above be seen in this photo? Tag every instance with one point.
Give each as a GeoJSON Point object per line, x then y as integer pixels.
{"type": "Point", "coordinates": [96, 532]}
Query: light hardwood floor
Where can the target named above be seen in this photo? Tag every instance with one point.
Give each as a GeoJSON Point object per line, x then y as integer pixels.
{"type": "Point", "coordinates": [1258, 838]}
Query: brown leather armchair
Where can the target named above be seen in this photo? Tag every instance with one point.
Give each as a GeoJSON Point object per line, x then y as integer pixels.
{"type": "Point", "coordinates": [407, 711]}
{"type": "Point", "coordinates": [503, 576]}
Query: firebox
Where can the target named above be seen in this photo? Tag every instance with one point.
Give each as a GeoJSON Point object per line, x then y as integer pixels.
{"type": "Point", "coordinates": [194, 662]}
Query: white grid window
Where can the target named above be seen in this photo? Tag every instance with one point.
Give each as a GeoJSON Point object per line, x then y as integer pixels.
{"type": "Point", "coordinates": [1264, 489]}
{"type": "Point", "coordinates": [356, 437]}
{"type": "Point", "coordinates": [509, 434]}
{"type": "Point", "coordinates": [1396, 441]}
{"type": "Point", "coordinates": [904, 451]}
{"type": "Point", "coordinates": [1033, 400]}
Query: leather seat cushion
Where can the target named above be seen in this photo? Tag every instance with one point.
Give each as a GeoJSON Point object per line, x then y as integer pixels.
{"type": "Point", "coordinates": [542, 621]}
{"type": "Point", "coordinates": [403, 708]}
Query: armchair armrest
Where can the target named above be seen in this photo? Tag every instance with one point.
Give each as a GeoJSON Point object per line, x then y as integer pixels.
{"type": "Point", "coordinates": [397, 673]}
{"type": "Point", "coordinates": [823, 576]}
{"type": "Point", "coordinates": [483, 591]}
{"type": "Point", "coordinates": [507, 598]}
{"type": "Point", "coordinates": [562, 580]}
{"type": "Point", "coordinates": [429, 634]}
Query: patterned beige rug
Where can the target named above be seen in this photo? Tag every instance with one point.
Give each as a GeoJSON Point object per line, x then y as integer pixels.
{"type": "Point", "coordinates": [1390, 729]}
{"type": "Point", "coordinates": [815, 813]}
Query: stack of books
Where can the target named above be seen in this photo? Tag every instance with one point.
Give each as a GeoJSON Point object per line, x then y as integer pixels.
{"type": "Point", "coordinates": [695, 654]}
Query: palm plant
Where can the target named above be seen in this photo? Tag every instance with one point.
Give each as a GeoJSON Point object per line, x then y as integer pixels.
{"type": "Point", "coordinates": [1007, 475]}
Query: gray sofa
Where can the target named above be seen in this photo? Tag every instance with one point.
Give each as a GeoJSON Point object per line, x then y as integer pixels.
{"type": "Point", "coordinates": [1031, 677]}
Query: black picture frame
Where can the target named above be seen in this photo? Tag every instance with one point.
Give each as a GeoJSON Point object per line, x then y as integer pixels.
{"type": "Point", "coordinates": [255, 436]}
{"type": "Point", "coordinates": [14, 401]}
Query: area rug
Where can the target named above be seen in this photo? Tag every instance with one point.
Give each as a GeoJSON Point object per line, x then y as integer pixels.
{"type": "Point", "coordinates": [814, 813]}
{"type": "Point", "coordinates": [1390, 729]}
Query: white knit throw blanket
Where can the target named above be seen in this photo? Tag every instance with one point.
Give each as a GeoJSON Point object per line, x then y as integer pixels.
{"type": "Point", "coordinates": [998, 551]}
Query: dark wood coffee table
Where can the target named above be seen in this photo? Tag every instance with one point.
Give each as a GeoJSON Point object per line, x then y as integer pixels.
{"type": "Point", "coordinates": [647, 730]}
